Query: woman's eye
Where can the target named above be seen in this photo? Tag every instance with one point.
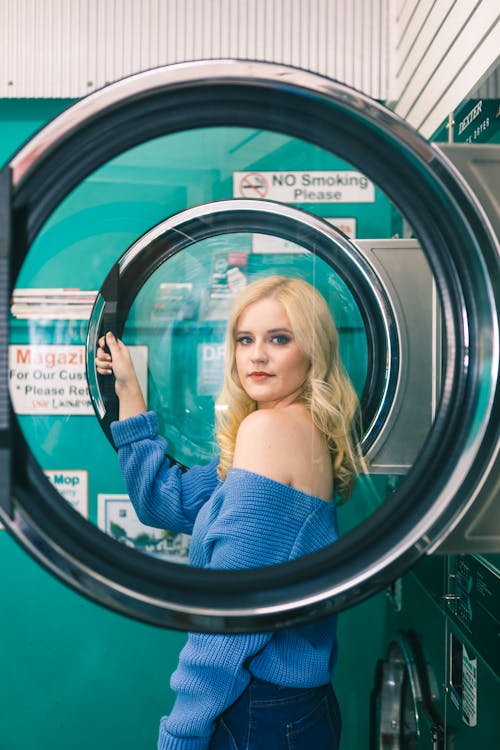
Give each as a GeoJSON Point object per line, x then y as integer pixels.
{"type": "Point", "coordinates": [243, 340]}
{"type": "Point", "coordinates": [281, 338]}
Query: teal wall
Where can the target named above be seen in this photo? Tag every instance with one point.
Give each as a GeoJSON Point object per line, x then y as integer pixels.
{"type": "Point", "coordinates": [73, 674]}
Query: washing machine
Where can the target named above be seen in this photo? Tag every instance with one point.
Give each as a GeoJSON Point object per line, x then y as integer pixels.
{"type": "Point", "coordinates": [473, 660]}
{"type": "Point", "coordinates": [144, 208]}
{"type": "Point", "coordinates": [437, 684]}
{"type": "Point", "coordinates": [408, 703]}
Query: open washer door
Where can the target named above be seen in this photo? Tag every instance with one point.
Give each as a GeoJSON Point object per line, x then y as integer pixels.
{"type": "Point", "coordinates": [456, 461]}
{"type": "Point", "coordinates": [404, 716]}
{"type": "Point", "coordinates": [153, 275]}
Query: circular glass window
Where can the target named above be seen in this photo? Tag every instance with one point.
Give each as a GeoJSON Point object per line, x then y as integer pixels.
{"type": "Point", "coordinates": [179, 316]}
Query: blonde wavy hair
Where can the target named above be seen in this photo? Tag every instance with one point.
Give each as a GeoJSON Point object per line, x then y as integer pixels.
{"type": "Point", "coordinates": [328, 392]}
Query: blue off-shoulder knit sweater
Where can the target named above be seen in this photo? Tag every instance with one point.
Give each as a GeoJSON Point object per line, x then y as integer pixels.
{"type": "Point", "coordinates": [244, 522]}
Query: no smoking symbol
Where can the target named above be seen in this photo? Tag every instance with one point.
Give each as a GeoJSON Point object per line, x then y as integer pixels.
{"type": "Point", "coordinates": [253, 185]}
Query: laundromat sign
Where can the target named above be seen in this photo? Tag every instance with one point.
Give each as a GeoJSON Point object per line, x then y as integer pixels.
{"type": "Point", "coordinates": [48, 379]}
{"type": "Point", "coordinates": [331, 186]}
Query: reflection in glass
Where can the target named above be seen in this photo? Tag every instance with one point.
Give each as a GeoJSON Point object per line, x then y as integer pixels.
{"type": "Point", "coordinates": [180, 314]}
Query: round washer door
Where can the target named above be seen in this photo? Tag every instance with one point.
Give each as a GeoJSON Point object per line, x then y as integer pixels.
{"type": "Point", "coordinates": [460, 449]}
{"type": "Point", "coordinates": [354, 292]}
{"type": "Point", "coordinates": [402, 717]}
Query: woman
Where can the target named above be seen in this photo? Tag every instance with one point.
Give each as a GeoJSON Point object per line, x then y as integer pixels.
{"type": "Point", "coordinates": [284, 428]}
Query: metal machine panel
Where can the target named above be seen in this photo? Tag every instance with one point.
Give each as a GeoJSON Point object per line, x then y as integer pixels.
{"type": "Point", "coordinates": [474, 603]}
{"type": "Point", "coordinates": [404, 271]}
{"type": "Point", "coordinates": [479, 164]}
{"type": "Point", "coordinates": [472, 695]}
{"type": "Point", "coordinates": [478, 531]}
{"type": "Point", "coordinates": [408, 701]}
{"type": "Point", "coordinates": [450, 607]}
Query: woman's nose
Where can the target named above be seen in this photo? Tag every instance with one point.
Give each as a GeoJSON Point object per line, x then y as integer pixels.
{"type": "Point", "coordinates": [258, 353]}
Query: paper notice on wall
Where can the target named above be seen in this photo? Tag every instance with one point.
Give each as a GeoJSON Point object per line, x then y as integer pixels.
{"type": "Point", "coordinates": [268, 243]}
{"type": "Point", "coordinates": [469, 689]}
{"type": "Point", "coordinates": [210, 357]}
{"type": "Point", "coordinates": [347, 225]}
{"type": "Point", "coordinates": [72, 485]}
{"type": "Point", "coordinates": [48, 379]}
{"type": "Point", "coordinates": [51, 378]}
{"type": "Point", "coordinates": [117, 517]}
{"type": "Point", "coordinates": [314, 186]}
{"type": "Point", "coordinates": [52, 304]}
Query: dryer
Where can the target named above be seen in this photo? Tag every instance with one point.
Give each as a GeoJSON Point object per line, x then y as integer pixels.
{"type": "Point", "coordinates": [473, 661]}
{"type": "Point", "coordinates": [438, 683]}
{"type": "Point", "coordinates": [421, 491]}
{"type": "Point", "coordinates": [408, 704]}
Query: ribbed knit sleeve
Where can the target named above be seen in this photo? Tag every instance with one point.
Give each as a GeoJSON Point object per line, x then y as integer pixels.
{"type": "Point", "coordinates": [210, 676]}
{"type": "Point", "coordinates": [251, 521]}
{"type": "Point", "coordinates": [163, 496]}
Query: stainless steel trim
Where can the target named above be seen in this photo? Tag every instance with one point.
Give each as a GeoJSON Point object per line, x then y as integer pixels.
{"type": "Point", "coordinates": [448, 500]}
{"type": "Point", "coordinates": [348, 248]}
{"type": "Point", "coordinates": [207, 72]}
{"type": "Point", "coordinates": [94, 326]}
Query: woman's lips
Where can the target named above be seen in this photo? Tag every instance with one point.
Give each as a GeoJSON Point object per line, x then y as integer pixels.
{"type": "Point", "coordinates": [259, 376]}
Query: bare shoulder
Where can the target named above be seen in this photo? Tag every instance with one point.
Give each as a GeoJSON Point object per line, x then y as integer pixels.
{"type": "Point", "coordinates": [269, 427]}
{"type": "Point", "coordinates": [263, 421]}
{"type": "Point", "coordinates": [281, 444]}
{"type": "Point", "coordinates": [260, 444]}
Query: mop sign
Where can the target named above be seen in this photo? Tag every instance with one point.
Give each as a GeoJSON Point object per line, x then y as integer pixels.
{"type": "Point", "coordinates": [72, 484]}
{"type": "Point", "coordinates": [48, 379]}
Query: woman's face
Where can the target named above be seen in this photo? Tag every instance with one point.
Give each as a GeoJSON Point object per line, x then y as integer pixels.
{"type": "Point", "coordinates": [271, 367]}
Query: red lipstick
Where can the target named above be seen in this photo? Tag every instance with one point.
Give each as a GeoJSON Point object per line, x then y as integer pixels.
{"type": "Point", "coordinates": [259, 375]}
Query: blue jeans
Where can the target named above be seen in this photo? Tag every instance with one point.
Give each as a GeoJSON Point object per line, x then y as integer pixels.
{"type": "Point", "coordinates": [270, 717]}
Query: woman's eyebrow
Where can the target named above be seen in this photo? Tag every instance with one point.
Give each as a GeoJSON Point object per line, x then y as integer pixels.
{"type": "Point", "coordinates": [241, 332]}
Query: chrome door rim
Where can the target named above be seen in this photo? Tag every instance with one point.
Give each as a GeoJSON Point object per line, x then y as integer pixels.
{"type": "Point", "coordinates": [237, 215]}
{"type": "Point", "coordinates": [461, 250]}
